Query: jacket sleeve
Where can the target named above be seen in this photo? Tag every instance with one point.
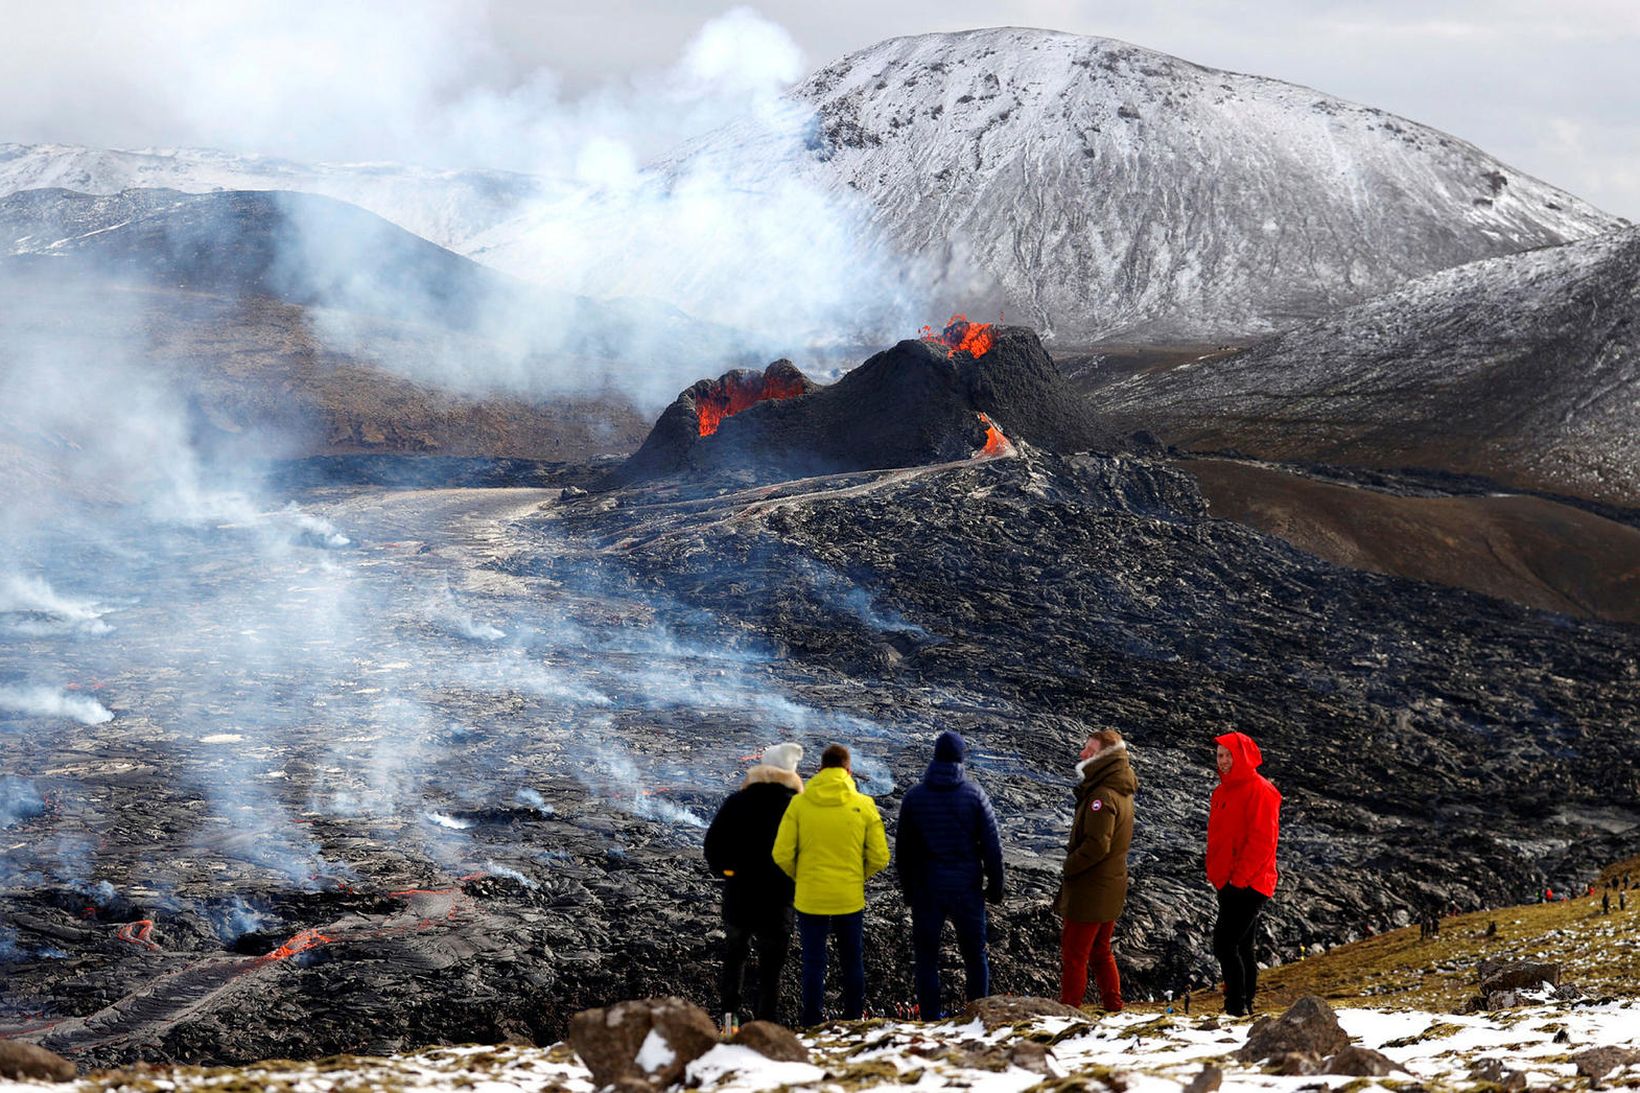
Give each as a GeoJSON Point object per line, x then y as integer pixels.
{"type": "Point", "coordinates": [1258, 843]}
{"type": "Point", "coordinates": [718, 838]}
{"type": "Point", "coordinates": [1098, 828]}
{"type": "Point", "coordinates": [785, 843]}
{"type": "Point", "coordinates": [876, 848]}
{"type": "Point", "coordinates": [990, 840]}
{"type": "Point", "coordinates": [908, 846]}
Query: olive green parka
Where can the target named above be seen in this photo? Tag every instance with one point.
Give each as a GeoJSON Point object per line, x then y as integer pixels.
{"type": "Point", "coordinates": [1094, 884]}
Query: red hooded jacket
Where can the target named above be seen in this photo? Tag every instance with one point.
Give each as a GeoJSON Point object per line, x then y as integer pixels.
{"type": "Point", "coordinates": [1243, 822]}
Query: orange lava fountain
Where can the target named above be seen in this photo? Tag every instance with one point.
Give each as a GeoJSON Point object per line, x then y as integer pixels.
{"type": "Point", "coordinates": [961, 336]}
{"type": "Point", "coordinates": [738, 391]}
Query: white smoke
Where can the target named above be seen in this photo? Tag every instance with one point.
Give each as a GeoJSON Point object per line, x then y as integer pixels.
{"type": "Point", "coordinates": [45, 611]}
{"type": "Point", "coordinates": [33, 700]}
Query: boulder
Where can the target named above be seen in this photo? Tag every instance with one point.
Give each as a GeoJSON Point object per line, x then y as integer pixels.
{"type": "Point", "coordinates": [1005, 1010]}
{"type": "Point", "coordinates": [1294, 1064]}
{"type": "Point", "coordinates": [1516, 975]}
{"type": "Point", "coordinates": [1360, 1062]}
{"type": "Point", "coordinates": [1494, 1072]}
{"type": "Point", "coordinates": [772, 1041]}
{"type": "Point", "coordinates": [1032, 1056]}
{"type": "Point", "coordinates": [28, 1062]}
{"type": "Point", "coordinates": [1598, 1062]}
{"type": "Point", "coordinates": [1208, 1081]}
{"type": "Point", "coordinates": [1309, 1026]}
{"type": "Point", "coordinates": [649, 1040]}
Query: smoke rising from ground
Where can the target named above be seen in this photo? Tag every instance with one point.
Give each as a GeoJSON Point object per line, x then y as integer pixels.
{"type": "Point", "coordinates": [642, 258]}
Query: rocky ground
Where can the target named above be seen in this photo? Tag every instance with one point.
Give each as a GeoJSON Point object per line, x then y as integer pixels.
{"type": "Point", "coordinates": [523, 706]}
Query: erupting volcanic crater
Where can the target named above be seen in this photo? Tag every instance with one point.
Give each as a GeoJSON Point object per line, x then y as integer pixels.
{"type": "Point", "coordinates": [969, 389]}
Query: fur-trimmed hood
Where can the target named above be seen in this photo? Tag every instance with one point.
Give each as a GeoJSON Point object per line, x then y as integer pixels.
{"type": "Point", "coordinates": [763, 772]}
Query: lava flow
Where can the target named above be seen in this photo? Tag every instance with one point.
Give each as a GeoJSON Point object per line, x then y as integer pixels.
{"type": "Point", "coordinates": [137, 933]}
{"type": "Point", "coordinates": [736, 391]}
{"type": "Point", "coordinates": [961, 336]}
{"type": "Point", "coordinates": [995, 442]}
{"type": "Point", "coordinates": [300, 942]}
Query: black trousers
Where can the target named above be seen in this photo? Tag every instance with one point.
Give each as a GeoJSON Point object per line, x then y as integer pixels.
{"type": "Point", "coordinates": [1233, 936]}
{"type": "Point", "coordinates": [772, 934]}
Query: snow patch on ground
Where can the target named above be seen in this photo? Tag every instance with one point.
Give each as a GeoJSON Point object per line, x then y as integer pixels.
{"type": "Point", "coordinates": [1145, 1050]}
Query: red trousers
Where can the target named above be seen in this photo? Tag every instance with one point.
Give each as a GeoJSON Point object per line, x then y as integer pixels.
{"type": "Point", "coordinates": [1080, 943]}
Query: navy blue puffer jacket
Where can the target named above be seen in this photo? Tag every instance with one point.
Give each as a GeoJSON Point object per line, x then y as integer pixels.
{"type": "Point", "coordinates": [947, 849]}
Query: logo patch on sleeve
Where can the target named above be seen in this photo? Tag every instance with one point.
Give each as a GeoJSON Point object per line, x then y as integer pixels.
{"type": "Point", "coordinates": [1097, 804]}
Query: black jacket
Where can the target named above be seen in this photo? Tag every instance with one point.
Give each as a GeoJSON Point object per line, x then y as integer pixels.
{"type": "Point", "coordinates": [948, 847]}
{"type": "Point", "coordinates": [740, 841]}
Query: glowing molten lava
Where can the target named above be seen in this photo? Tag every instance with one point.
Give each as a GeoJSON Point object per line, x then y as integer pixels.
{"type": "Point", "coordinates": [137, 933]}
{"type": "Point", "coordinates": [961, 336]}
{"type": "Point", "coordinates": [995, 442]}
{"type": "Point", "coordinates": [300, 942]}
{"type": "Point", "coordinates": [737, 391]}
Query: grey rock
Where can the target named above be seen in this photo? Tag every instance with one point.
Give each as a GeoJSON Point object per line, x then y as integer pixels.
{"type": "Point", "coordinates": [1309, 1026]}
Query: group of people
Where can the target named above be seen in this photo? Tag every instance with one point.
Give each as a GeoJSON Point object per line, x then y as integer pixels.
{"type": "Point", "coordinates": [792, 853]}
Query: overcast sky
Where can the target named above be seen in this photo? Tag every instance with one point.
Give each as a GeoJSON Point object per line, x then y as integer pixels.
{"type": "Point", "coordinates": [1545, 85]}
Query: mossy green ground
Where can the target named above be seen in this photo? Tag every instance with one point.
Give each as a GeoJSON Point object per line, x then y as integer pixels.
{"type": "Point", "coordinates": [1600, 953]}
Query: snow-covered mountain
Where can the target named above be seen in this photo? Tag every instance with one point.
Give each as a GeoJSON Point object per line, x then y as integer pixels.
{"type": "Point", "coordinates": [1117, 191]}
{"type": "Point", "coordinates": [1525, 369]}
{"type": "Point", "coordinates": [1090, 188]}
{"type": "Point", "coordinates": [446, 207]}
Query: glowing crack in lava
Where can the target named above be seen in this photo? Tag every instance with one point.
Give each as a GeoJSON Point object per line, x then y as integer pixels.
{"type": "Point", "coordinates": [995, 442]}
{"type": "Point", "coordinates": [961, 336]}
{"type": "Point", "coordinates": [737, 391]}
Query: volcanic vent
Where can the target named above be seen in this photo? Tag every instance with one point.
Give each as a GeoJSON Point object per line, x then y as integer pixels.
{"type": "Point", "coordinates": [967, 390]}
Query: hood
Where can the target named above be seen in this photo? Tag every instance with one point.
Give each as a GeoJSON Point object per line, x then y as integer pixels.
{"type": "Point", "coordinates": [1245, 753]}
{"type": "Point", "coordinates": [1109, 767]}
{"type": "Point", "coordinates": [764, 774]}
{"type": "Point", "coordinates": [832, 787]}
{"type": "Point", "coordinates": [785, 756]}
{"type": "Point", "coordinates": [950, 748]}
{"type": "Point", "coordinates": [943, 774]}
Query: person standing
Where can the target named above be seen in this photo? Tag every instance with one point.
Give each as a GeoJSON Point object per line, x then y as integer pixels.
{"type": "Point", "coordinates": [757, 895]}
{"type": "Point", "coordinates": [1094, 883]}
{"type": "Point", "coordinates": [1243, 825]}
{"type": "Point", "coordinates": [949, 858]}
{"type": "Point", "coordinates": [830, 841]}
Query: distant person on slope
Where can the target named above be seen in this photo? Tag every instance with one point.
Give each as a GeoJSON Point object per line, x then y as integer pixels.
{"type": "Point", "coordinates": [949, 858]}
{"type": "Point", "coordinates": [757, 896]}
{"type": "Point", "coordinates": [831, 839]}
{"type": "Point", "coordinates": [1243, 823]}
{"type": "Point", "coordinates": [1094, 884]}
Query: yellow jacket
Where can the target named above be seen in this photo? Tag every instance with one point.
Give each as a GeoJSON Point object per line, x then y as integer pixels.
{"type": "Point", "coordinates": [830, 840]}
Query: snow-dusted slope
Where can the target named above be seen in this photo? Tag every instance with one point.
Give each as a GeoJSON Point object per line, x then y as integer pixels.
{"type": "Point", "coordinates": [1094, 189]}
{"type": "Point", "coordinates": [1116, 191]}
{"type": "Point", "coordinates": [447, 207]}
{"type": "Point", "coordinates": [1525, 369]}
